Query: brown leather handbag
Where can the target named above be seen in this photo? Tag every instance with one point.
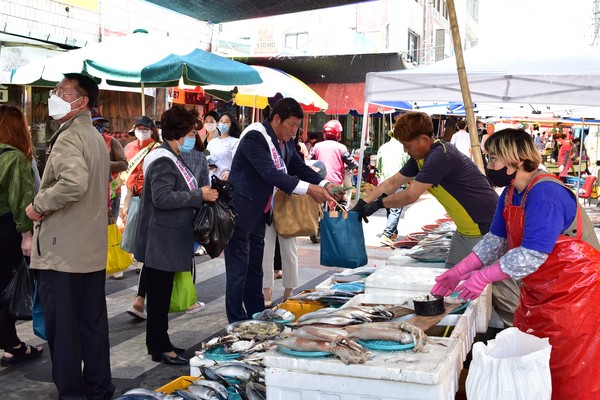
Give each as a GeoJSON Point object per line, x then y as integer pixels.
{"type": "Point", "coordinates": [295, 215]}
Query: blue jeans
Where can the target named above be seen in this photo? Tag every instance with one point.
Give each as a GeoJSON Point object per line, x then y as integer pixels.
{"type": "Point", "coordinates": [391, 227]}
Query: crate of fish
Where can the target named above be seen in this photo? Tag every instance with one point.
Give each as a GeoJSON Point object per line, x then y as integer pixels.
{"type": "Point", "coordinates": [303, 303]}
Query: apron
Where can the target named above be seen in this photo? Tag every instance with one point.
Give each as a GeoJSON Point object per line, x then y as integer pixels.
{"type": "Point", "coordinates": [559, 302]}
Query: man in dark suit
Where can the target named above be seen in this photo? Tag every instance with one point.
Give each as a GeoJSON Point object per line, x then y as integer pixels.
{"type": "Point", "coordinates": [265, 159]}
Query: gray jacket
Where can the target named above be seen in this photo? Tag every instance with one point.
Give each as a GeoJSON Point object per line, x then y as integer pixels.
{"type": "Point", "coordinates": [164, 239]}
{"type": "Point", "coordinates": [74, 197]}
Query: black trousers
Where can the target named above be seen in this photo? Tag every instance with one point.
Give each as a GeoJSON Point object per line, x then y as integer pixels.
{"type": "Point", "coordinates": [159, 286]}
{"type": "Point", "coordinates": [74, 307]}
{"type": "Point", "coordinates": [243, 268]}
{"type": "Point", "coordinates": [10, 256]}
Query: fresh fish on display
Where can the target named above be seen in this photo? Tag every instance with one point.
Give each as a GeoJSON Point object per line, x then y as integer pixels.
{"type": "Point", "coordinates": [429, 253]}
{"type": "Point", "coordinates": [200, 393]}
{"type": "Point", "coordinates": [216, 386]}
{"type": "Point", "coordinates": [185, 395]}
{"type": "Point", "coordinates": [346, 316]}
{"type": "Point", "coordinates": [345, 352]}
{"type": "Point", "coordinates": [146, 394]}
{"type": "Point", "coordinates": [341, 278]}
{"type": "Point", "coordinates": [313, 332]}
{"type": "Point", "coordinates": [318, 296]}
{"type": "Point", "coordinates": [274, 315]}
{"type": "Point", "coordinates": [237, 371]}
{"type": "Point", "coordinates": [256, 391]}
{"type": "Point", "coordinates": [402, 332]}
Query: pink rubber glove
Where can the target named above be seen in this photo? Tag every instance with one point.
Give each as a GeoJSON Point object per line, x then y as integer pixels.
{"type": "Point", "coordinates": [446, 282]}
{"type": "Point", "coordinates": [478, 280]}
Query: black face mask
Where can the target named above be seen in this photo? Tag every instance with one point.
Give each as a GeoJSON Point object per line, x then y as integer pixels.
{"type": "Point", "coordinates": [499, 177]}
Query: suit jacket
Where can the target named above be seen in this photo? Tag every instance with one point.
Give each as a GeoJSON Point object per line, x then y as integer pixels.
{"type": "Point", "coordinates": [253, 175]}
{"type": "Point", "coordinates": [165, 240]}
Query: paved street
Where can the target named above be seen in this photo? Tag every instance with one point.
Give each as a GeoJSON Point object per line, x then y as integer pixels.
{"type": "Point", "coordinates": [131, 365]}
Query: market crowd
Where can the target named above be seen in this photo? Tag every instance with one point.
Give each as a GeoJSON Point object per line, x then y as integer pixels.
{"type": "Point", "coordinates": [533, 243]}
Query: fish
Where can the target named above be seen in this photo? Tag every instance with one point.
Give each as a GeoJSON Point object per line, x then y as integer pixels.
{"type": "Point", "coordinates": [202, 393]}
{"type": "Point", "coordinates": [256, 391]}
{"type": "Point", "coordinates": [239, 372]}
{"type": "Point", "coordinates": [403, 332]}
{"type": "Point", "coordinates": [349, 354]}
{"type": "Point", "coordinates": [185, 395]}
{"type": "Point", "coordinates": [312, 332]}
{"type": "Point", "coordinates": [346, 316]}
{"type": "Point", "coordinates": [216, 386]}
{"type": "Point", "coordinates": [145, 394]}
{"type": "Point", "coordinates": [341, 278]}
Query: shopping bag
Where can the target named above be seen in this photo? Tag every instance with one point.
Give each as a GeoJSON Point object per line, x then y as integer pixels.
{"type": "Point", "coordinates": [214, 222]}
{"type": "Point", "coordinates": [18, 294]}
{"type": "Point", "coordinates": [38, 322]}
{"type": "Point", "coordinates": [184, 292]}
{"type": "Point", "coordinates": [295, 215]}
{"type": "Point", "coordinates": [342, 239]}
{"type": "Point", "coordinates": [117, 259]}
{"type": "Point", "coordinates": [514, 366]}
{"type": "Point", "coordinates": [128, 240]}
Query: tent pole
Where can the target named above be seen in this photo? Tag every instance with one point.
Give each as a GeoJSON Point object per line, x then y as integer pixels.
{"type": "Point", "coordinates": [464, 86]}
{"type": "Point", "coordinates": [363, 135]}
{"type": "Point", "coordinates": [580, 154]}
{"type": "Point", "coordinates": [143, 100]}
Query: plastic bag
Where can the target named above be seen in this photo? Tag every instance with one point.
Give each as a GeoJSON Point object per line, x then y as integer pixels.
{"type": "Point", "coordinates": [514, 366]}
{"type": "Point", "coordinates": [214, 223]}
{"type": "Point", "coordinates": [117, 259]}
{"type": "Point", "coordinates": [130, 232]}
{"type": "Point", "coordinates": [19, 292]}
{"type": "Point", "coordinates": [184, 292]}
{"type": "Point", "coordinates": [38, 321]}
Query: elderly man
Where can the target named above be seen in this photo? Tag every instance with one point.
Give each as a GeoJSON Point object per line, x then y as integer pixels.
{"type": "Point", "coordinates": [71, 215]}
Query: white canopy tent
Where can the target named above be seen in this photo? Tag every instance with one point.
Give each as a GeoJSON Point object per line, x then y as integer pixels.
{"type": "Point", "coordinates": [556, 76]}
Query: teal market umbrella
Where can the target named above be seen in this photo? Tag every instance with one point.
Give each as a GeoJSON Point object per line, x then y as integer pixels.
{"type": "Point", "coordinates": [140, 60]}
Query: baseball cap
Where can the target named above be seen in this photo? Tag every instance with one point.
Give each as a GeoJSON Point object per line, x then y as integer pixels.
{"type": "Point", "coordinates": [94, 119]}
{"type": "Point", "coordinates": [145, 121]}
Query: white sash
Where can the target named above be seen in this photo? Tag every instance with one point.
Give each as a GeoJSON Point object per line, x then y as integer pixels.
{"type": "Point", "coordinates": [186, 173]}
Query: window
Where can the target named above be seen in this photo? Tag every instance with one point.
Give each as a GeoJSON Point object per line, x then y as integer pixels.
{"type": "Point", "coordinates": [413, 47]}
{"type": "Point", "coordinates": [297, 41]}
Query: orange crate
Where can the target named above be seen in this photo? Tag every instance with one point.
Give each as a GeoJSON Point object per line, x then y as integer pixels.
{"type": "Point", "coordinates": [180, 383]}
{"type": "Point", "coordinates": [301, 307]}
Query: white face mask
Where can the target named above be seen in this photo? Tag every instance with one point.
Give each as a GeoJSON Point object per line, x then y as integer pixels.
{"type": "Point", "coordinates": [142, 135]}
{"type": "Point", "coordinates": [58, 108]}
{"type": "Point", "coordinates": [210, 126]}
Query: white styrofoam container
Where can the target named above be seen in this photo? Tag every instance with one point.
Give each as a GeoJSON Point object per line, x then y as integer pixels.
{"type": "Point", "coordinates": [400, 258]}
{"type": "Point", "coordinates": [400, 375]}
{"type": "Point", "coordinates": [326, 284]}
{"type": "Point", "coordinates": [464, 324]}
{"type": "Point", "coordinates": [394, 280]}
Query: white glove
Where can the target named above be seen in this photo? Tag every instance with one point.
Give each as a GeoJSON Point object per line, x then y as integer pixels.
{"type": "Point", "coordinates": [561, 168]}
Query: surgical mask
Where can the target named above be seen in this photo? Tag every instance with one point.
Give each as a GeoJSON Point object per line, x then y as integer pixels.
{"type": "Point", "coordinates": [188, 144]}
{"type": "Point", "coordinates": [58, 108]}
{"type": "Point", "coordinates": [499, 177]}
{"type": "Point", "coordinates": [223, 128]}
{"type": "Point", "coordinates": [143, 134]}
{"type": "Point", "coordinates": [210, 126]}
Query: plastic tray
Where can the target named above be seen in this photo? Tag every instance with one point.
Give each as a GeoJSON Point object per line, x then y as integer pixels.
{"type": "Point", "coordinates": [218, 353]}
{"type": "Point", "coordinates": [385, 345]}
{"type": "Point", "coordinates": [309, 354]}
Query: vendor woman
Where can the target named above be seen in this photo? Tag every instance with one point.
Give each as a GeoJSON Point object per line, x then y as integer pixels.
{"type": "Point", "coordinates": [541, 236]}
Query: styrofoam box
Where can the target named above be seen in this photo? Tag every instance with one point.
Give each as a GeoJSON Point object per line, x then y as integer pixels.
{"type": "Point", "coordinates": [326, 284]}
{"type": "Point", "coordinates": [464, 324]}
{"type": "Point", "coordinates": [393, 280]}
{"type": "Point", "coordinates": [399, 257]}
{"type": "Point", "coordinates": [399, 375]}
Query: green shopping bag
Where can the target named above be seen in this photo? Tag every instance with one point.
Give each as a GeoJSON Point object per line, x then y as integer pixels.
{"type": "Point", "coordinates": [184, 292]}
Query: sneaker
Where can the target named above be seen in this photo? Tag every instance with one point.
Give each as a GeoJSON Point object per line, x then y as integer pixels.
{"type": "Point", "coordinates": [386, 240]}
{"type": "Point", "coordinates": [118, 275]}
{"type": "Point", "coordinates": [196, 308]}
{"type": "Point", "coordinates": [200, 252]}
{"type": "Point", "coordinates": [136, 314]}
